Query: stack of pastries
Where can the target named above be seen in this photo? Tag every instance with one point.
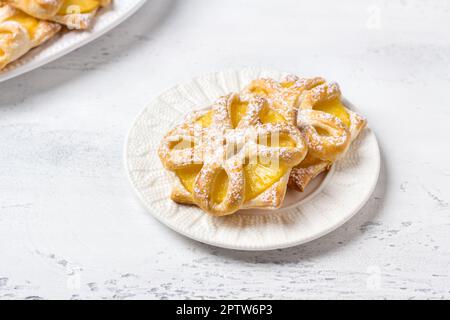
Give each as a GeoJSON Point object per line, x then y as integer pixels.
{"type": "Point", "coordinates": [248, 147]}
{"type": "Point", "coordinates": [26, 24]}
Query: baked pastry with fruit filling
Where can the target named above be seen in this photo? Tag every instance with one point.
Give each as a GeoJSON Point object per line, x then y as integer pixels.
{"type": "Point", "coordinates": [75, 14]}
{"type": "Point", "coordinates": [315, 106]}
{"type": "Point", "coordinates": [20, 32]}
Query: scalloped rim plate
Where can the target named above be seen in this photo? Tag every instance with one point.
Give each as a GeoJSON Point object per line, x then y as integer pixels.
{"type": "Point", "coordinates": [329, 202]}
{"type": "Point", "coordinates": [66, 42]}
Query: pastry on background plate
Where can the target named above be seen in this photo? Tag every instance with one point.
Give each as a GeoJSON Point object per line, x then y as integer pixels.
{"type": "Point", "coordinates": [75, 14]}
{"type": "Point", "coordinates": [20, 32]}
{"type": "Point", "coordinates": [238, 154]}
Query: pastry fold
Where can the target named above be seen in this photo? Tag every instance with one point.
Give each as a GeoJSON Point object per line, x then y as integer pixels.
{"type": "Point", "coordinates": [19, 33]}
{"type": "Point", "coordinates": [235, 155]}
{"type": "Point", "coordinates": [315, 107]}
{"type": "Point", "coordinates": [75, 14]}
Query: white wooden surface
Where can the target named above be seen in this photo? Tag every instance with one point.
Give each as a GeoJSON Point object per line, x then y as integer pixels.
{"type": "Point", "coordinates": [70, 226]}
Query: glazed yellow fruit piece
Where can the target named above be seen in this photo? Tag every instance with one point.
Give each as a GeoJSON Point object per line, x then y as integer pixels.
{"type": "Point", "coordinates": [79, 6]}
{"type": "Point", "coordinates": [187, 175]}
{"type": "Point", "coordinates": [28, 22]}
{"type": "Point", "coordinates": [259, 177]}
{"type": "Point", "coordinates": [336, 108]}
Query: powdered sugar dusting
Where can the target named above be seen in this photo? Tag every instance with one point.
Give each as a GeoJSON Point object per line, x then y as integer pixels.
{"type": "Point", "coordinates": [226, 148]}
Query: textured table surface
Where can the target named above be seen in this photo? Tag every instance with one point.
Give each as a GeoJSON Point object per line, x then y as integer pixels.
{"type": "Point", "coordinates": [71, 227]}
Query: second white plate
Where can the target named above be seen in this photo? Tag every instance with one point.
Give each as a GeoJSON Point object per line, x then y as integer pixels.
{"type": "Point", "coordinates": [107, 19]}
{"type": "Point", "coordinates": [328, 202]}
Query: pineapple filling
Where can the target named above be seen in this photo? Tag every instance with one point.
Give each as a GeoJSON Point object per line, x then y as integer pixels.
{"type": "Point", "coordinates": [28, 22]}
{"type": "Point", "coordinates": [321, 131]}
{"type": "Point", "coordinates": [259, 177]}
{"type": "Point", "coordinates": [187, 176]}
{"type": "Point", "coordinates": [78, 6]}
{"type": "Point", "coordinates": [238, 111]}
{"type": "Point", "coordinates": [259, 91]}
{"type": "Point", "coordinates": [2, 53]}
{"type": "Point", "coordinates": [287, 84]}
{"type": "Point", "coordinates": [281, 140]}
{"type": "Point", "coordinates": [220, 187]}
{"type": "Point", "coordinates": [267, 115]}
{"type": "Point", "coordinates": [336, 108]}
{"type": "Point", "coordinates": [206, 119]}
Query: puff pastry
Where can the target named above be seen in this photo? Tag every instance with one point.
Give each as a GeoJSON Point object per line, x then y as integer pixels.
{"type": "Point", "coordinates": [75, 14]}
{"type": "Point", "coordinates": [315, 107]}
{"type": "Point", "coordinates": [19, 33]}
{"type": "Point", "coordinates": [328, 127]}
{"type": "Point", "coordinates": [236, 155]}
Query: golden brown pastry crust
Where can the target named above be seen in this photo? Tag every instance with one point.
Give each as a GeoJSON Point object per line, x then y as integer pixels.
{"type": "Point", "coordinates": [210, 155]}
{"type": "Point", "coordinates": [41, 9]}
{"type": "Point", "coordinates": [324, 149]}
{"type": "Point", "coordinates": [302, 174]}
{"type": "Point", "coordinates": [16, 40]}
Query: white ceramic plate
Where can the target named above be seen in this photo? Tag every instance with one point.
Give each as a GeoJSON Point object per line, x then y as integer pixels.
{"type": "Point", "coordinates": [66, 42]}
{"type": "Point", "coordinates": [329, 201]}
